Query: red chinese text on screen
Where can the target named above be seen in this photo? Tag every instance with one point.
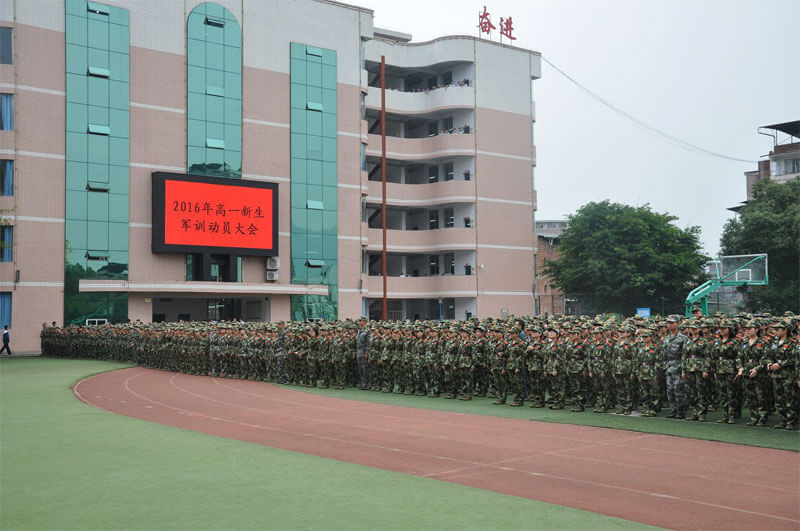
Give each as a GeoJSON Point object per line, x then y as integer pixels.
{"type": "Point", "coordinates": [216, 215]}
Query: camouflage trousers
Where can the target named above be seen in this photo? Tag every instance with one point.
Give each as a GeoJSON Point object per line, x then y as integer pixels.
{"type": "Point", "coordinates": [467, 378]}
{"type": "Point", "coordinates": [786, 399]}
{"type": "Point", "coordinates": [624, 391]}
{"type": "Point", "coordinates": [699, 398]}
{"type": "Point", "coordinates": [649, 394]}
{"type": "Point", "coordinates": [756, 392]}
{"type": "Point", "coordinates": [500, 384]}
{"type": "Point", "coordinates": [726, 388]}
{"type": "Point", "coordinates": [536, 387]}
{"type": "Point", "coordinates": [604, 390]}
{"type": "Point", "coordinates": [364, 371]}
{"type": "Point", "coordinates": [450, 380]}
{"type": "Point", "coordinates": [676, 388]}
{"type": "Point", "coordinates": [434, 379]}
{"type": "Point", "coordinates": [557, 387]}
{"type": "Point", "coordinates": [576, 388]}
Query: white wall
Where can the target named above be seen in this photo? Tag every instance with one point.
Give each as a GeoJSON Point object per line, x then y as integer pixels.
{"type": "Point", "coordinates": [464, 305]}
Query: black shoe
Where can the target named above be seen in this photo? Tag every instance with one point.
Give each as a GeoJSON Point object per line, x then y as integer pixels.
{"type": "Point", "coordinates": [672, 415]}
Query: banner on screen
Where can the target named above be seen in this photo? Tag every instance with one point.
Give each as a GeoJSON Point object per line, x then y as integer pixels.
{"type": "Point", "coordinates": [196, 214]}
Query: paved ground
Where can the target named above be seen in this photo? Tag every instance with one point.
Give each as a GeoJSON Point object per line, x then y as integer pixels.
{"type": "Point", "coordinates": [659, 480]}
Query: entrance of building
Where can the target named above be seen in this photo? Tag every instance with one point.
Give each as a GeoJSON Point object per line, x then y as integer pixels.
{"type": "Point", "coordinates": [203, 308]}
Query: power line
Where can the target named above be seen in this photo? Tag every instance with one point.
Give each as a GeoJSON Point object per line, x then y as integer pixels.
{"type": "Point", "coordinates": [644, 126]}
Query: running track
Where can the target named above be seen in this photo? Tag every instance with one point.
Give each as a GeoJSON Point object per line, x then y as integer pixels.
{"type": "Point", "coordinates": [659, 480]}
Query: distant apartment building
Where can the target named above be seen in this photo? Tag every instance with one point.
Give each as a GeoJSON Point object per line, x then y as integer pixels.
{"type": "Point", "coordinates": [782, 163]}
{"type": "Point", "coordinates": [548, 299]}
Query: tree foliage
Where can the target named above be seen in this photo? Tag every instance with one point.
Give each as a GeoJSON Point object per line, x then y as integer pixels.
{"type": "Point", "coordinates": [615, 258]}
{"type": "Point", "coordinates": [770, 223]}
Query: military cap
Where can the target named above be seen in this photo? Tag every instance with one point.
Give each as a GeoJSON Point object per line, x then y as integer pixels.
{"type": "Point", "coordinates": [726, 323]}
{"type": "Point", "coordinates": [751, 324]}
{"type": "Point", "coordinates": [695, 323]}
{"type": "Point", "coordinates": [646, 332]}
{"type": "Point", "coordinates": [515, 330]}
{"type": "Point", "coordinates": [780, 324]}
{"type": "Point", "coordinates": [674, 319]}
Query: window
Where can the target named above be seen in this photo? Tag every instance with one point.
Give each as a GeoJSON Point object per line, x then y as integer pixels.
{"type": "Point", "coordinates": [447, 78]}
{"type": "Point", "coordinates": [5, 309]}
{"type": "Point", "coordinates": [6, 52]}
{"type": "Point", "coordinates": [791, 166]}
{"type": "Point", "coordinates": [433, 219]}
{"type": "Point", "coordinates": [6, 112]}
{"type": "Point", "coordinates": [433, 128]}
{"type": "Point", "coordinates": [363, 157]}
{"type": "Point", "coordinates": [433, 174]}
{"type": "Point", "coordinates": [6, 177]}
{"type": "Point", "coordinates": [7, 244]}
{"type": "Point", "coordinates": [432, 82]}
{"type": "Point", "coordinates": [449, 219]}
{"type": "Point", "coordinates": [447, 124]}
{"type": "Point", "coordinates": [448, 171]}
{"type": "Point", "coordinates": [450, 263]}
{"type": "Point", "coordinates": [434, 264]}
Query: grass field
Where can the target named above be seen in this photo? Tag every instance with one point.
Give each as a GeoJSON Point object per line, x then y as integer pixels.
{"type": "Point", "coordinates": [66, 465]}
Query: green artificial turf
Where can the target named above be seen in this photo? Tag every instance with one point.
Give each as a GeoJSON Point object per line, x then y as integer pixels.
{"type": "Point", "coordinates": [66, 465]}
{"type": "Point", "coordinates": [708, 430]}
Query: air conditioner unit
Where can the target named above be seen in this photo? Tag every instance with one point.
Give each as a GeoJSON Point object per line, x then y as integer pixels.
{"type": "Point", "coordinates": [272, 276]}
{"type": "Point", "coordinates": [273, 263]}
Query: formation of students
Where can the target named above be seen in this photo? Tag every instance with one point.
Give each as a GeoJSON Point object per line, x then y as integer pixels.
{"type": "Point", "coordinates": [689, 366]}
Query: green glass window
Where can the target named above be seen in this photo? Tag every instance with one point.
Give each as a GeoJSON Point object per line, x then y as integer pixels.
{"type": "Point", "coordinates": [97, 152]}
{"type": "Point", "coordinates": [314, 192]}
{"type": "Point", "coordinates": [214, 92]}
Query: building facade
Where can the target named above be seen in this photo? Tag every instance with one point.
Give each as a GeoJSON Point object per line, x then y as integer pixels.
{"type": "Point", "coordinates": [548, 299]}
{"type": "Point", "coordinates": [96, 97]}
{"type": "Point", "coordinates": [782, 163]}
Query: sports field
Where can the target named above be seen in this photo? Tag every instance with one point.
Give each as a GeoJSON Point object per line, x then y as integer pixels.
{"type": "Point", "coordinates": [69, 465]}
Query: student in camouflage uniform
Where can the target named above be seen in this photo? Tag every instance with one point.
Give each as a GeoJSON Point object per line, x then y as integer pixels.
{"type": "Point", "coordinates": [450, 363]}
{"type": "Point", "coordinates": [434, 363]}
{"type": "Point", "coordinates": [499, 366]}
{"type": "Point", "coordinates": [576, 370]}
{"type": "Point", "coordinates": [696, 369]}
{"type": "Point", "coordinates": [363, 340]}
{"type": "Point", "coordinates": [648, 359]}
{"type": "Point", "coordinates": [780, 361]}
{"type": "Point", "coordinates": [754, 374]}
{"type": "Point", "coordinates": [623, 374]}
{"type": "Point", "coordinates": [480, 356]}
{"type": "Point", "coordinates": [516, 366]}
{"type": "Point", "coordinates": [676, 386]}
{"type": "Point", "coordinates": [534, 362]}
{"type": "Point", "coordinates": [600, 371]}
{"type": "Point", "coordinates": [725, 354]}
{"type": "Point", "coordinates": [555, 368]}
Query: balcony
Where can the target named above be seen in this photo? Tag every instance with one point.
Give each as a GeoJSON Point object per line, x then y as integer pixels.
{"type": "Point", "coordinates": [434, 147]}
{"type": "Point", "coordinates": [424, 287]}
{"type": "Point", "coordinates": [423, 241]}
{"type": "Point", "coordinates": [419, 195]}
{"type": "Point", "coordinates": [400, 102]}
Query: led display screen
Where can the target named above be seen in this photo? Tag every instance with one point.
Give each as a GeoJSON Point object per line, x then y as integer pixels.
{"type": "Point", "coordinates": [197, 214]}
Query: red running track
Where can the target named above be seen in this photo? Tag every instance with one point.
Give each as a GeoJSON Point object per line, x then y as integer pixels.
{"type": "Point", "coordinates": [659, 480]}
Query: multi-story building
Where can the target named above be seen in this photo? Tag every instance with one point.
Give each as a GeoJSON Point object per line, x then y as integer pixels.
{"type": "Point", "coordinates": [97, 97]}
{"type": "Point", "coordinates": [460, 158]}
{"type": "Point", "coordinates": [782, 163]}
{"type": "Point", "coordinates": [548, 299]}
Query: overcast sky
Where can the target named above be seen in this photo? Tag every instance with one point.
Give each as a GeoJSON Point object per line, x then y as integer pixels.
{"type": "Point", "coordinates": [709, 72]}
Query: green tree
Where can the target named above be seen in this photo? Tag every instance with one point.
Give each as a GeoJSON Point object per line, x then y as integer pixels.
{"type": "Point", "coordinates": [614, 258]}
{"type": "Point", "coordinates": [770, 223]}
